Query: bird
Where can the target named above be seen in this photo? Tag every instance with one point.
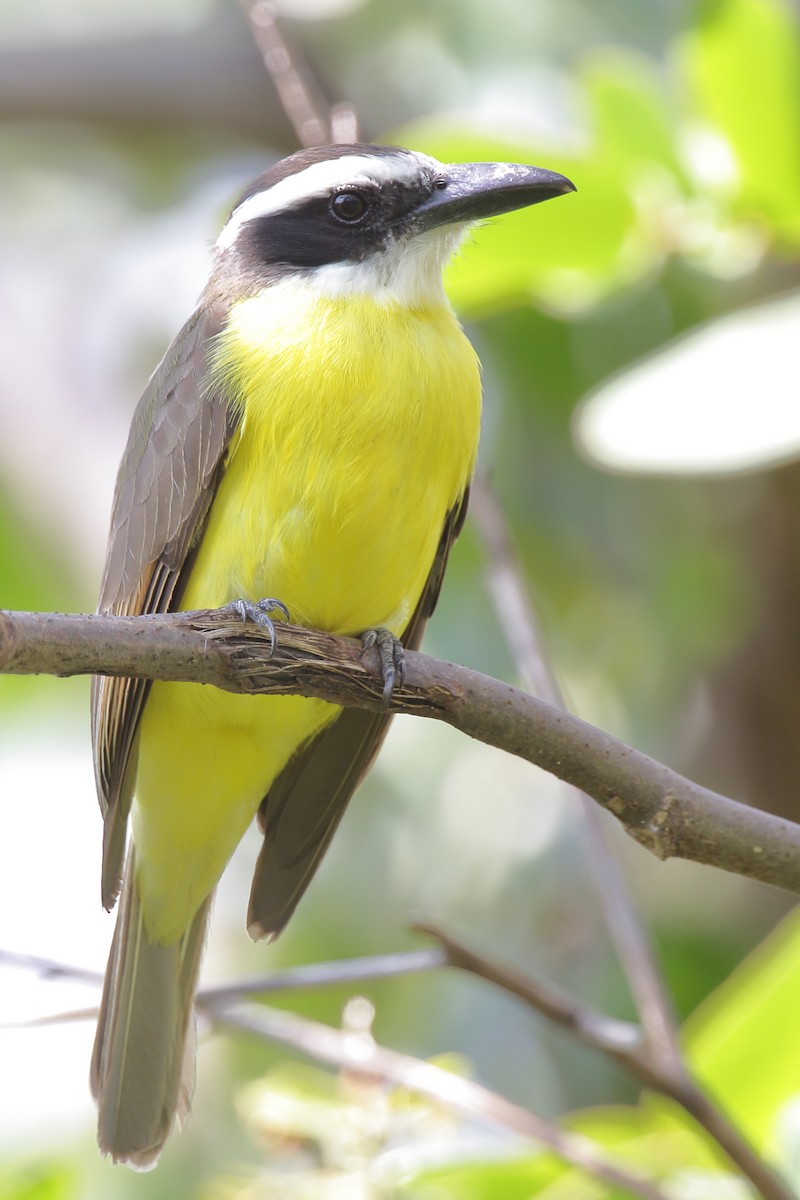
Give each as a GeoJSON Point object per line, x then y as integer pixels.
{"type": "Point", "coordinates": [305, 448]}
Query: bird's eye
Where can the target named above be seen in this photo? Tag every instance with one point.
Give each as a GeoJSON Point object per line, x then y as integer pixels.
{"type": "Point", "coordinates": [349, 206]}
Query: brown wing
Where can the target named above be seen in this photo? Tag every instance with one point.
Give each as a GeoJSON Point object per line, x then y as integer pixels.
{"type": "Point", "coordinates": [166, 482]}
{"type": "Point", "coordinates": [303, 808]}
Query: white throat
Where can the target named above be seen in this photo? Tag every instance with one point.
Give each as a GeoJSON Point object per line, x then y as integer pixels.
{"type": "Point", "coordinates": [408, 272]}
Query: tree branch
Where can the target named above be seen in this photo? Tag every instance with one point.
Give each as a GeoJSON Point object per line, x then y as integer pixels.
{"type": "Point", "coordinates": [663, 811]}
{"type": "Point", "coordinates": [359, 1052]}
{"type": "Point", "coordinates": [621, 1040]}
{"type": "Point", "coordinates": [624, 1043]}
{"type": "Point", "coordinates": [618, 1039]}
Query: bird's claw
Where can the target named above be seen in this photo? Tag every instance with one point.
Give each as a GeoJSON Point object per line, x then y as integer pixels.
{"type": "Point", "coordinates": [258, 612]}
{"type": "Point", "coordinates": [391, 656]}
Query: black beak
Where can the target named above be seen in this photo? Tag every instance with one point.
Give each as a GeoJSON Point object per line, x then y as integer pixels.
{"type": "Point", "coordinates": [471, 191]}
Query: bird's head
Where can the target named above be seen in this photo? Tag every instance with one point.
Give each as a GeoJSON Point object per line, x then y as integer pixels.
{"type": "Point", "coordinates": [370, 220]}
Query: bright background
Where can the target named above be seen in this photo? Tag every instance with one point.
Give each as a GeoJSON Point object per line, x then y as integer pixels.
{"type": "Point", "coordinates": [671, 600]}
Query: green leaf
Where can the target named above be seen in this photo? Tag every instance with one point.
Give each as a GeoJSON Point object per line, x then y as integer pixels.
{"type": "Point", "coordinates": [518, 1179]}
{"type": "Point", "coordinates": [742, 66]}
{"type": "Point", "coordinates": [634, 126]}
{"type": "Point", "coordinates": [43, 1181]}
{"type": "Point", "coordinates": [648, 1141]}
{"type": "Point", "coordinates": [743, 1042]}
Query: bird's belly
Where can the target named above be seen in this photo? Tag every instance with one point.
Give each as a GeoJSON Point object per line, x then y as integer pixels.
{"type": "Point", "coordinates": [344, 544]}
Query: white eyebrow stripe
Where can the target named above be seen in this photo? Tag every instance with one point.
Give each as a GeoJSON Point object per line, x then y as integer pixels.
{"type": "Point", "coordinates": [320, 178]}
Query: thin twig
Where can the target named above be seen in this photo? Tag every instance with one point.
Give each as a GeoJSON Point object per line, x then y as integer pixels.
{"type": "Point", "coordinates": [297, 89]}
{"type": "Point", "coordinates": [327, 974]}
{"type": "Point", "coordinates": [517, 618]}
{"type": "Point", "coordinates": [65, 1017]}
{"type": "Point", "coordinates": [521, 625]}
{"type": "Point", "coordinates": [662, 810]}
{"type": "Point", "coordinates": [50, 968]}
{"type": "Point", "coordinates": [358, 1052]}
{"type": "Point", "coordinates": [621, 1039]}
{"type": "Point", "coordinates": [312, 975]}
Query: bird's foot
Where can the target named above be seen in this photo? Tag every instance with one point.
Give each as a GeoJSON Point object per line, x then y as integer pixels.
{"type": "Point", "coordinates": [392, 659]}
{"type": "Point", "coordinates": [258, 612]}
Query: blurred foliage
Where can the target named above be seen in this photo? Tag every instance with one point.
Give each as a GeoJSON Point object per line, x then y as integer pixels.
{"type": "Point", "coordinates": [353, 1137]}
{"type": "Point", "coordinates": [741, 65]}
{"type": "Point", "coordinates": [697, 170]}
{"type": "Point", "coordinates": [681, 128]}
{"type": "Point", "coordinates": [743, 1045]}
{"type": "Point", "coordinates": [53, 1181]}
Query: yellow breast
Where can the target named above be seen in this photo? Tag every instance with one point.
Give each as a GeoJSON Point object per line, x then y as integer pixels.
{"type": "Point", "coordinates": [359, 432]}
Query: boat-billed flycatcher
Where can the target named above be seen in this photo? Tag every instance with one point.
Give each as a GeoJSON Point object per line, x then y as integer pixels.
{"type": "Point", "coordinates": [310, 436]}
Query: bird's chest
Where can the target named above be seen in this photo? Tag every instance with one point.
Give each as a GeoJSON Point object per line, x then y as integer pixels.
{"type": "Point", "coordinates": [359, 432]}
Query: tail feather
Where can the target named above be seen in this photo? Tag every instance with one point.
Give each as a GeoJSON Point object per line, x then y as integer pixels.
{"type": "Point", "coordinates": [143, 1064]}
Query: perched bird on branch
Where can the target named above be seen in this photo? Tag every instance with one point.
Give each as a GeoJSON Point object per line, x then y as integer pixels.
{"type": "Point", "coordinates": [305, 448]}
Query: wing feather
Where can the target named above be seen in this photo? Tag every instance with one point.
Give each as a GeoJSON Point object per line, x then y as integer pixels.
{"type": "Point", "coordinates": [166, 482]}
